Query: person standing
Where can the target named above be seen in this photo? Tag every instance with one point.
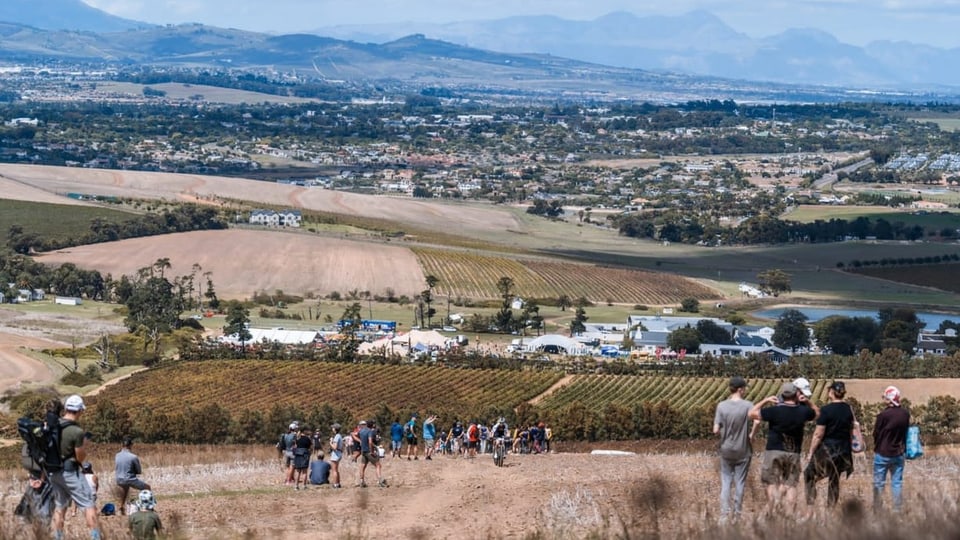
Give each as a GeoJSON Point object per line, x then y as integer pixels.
{"type": "Point", "coordinates": [780, 471]}
{"type": "Point", "coordinates": [429, 434]}
{"type": "Point", "coordinates": [288, 441]}
{"type": "Point", "coordinates": [732, 424]}
{"type": "Point", "coordinates": [889, 448]}
{"type": "Point", "coordinates": [371, 456]}
{"type": "Point", "coordinates": [126, 471]}
{"type": "Point", "coordinates": [301, 457]}
{"type": "Point", "coordinates": [68, 482]}
{"type": "Point", "coordinates": [830, 454]}
{"type": "Point", "coordinates": [410, 432]}
{"type": "Point", "coordinates": [336, 455]}
{"type": "Point", "coordinates": [396, 438]}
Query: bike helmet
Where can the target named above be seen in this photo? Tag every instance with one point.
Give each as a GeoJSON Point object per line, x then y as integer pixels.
{"type": "Point", "coordinates": [146, 500]}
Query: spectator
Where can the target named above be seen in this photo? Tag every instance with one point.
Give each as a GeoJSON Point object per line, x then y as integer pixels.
{"type": "Point", "coordinates": [732, 423]}
{"type": "Point", "coordinates": [288, 441]}
{"type": "Point", "coordinates": [473, 439]}
{"type": "Point", "coordinates": [429, 434]}
{"type": "Point", "coordinates": [889, 447]}
{"type": "Point", "coordinates": [336, 455]}
{"type": "Point", "coordinates": [301, 457]}
{"type": "Point", "coordinates": [396, 438]}
{"type": "Point", "coordinates": [830, 453]}
{"type": "Point", "coordinates": [145, 522]}
{"type": "Point", "coordinates": [370, 452]}
{"type": "Point", "coordinates": [69, 483]}
{"type": "Point", "coordinates": [36, 505]}
{"type": "Point", "coordinates": [127, 468]}
{"type": "Point", "coordinates": [319, 470]}
{"type": "Point", "coordinates": [410, 432]}
{"type": "Point", "coordinates": [91, 478]}
{"type": "Point", "coordinates": [780, 472]}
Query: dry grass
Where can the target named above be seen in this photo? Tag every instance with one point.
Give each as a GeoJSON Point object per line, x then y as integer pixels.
{"type": "Point", "coordinates": [235, 492]}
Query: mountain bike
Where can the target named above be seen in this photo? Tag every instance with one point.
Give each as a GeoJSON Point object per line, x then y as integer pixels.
{"type": "Point", "coordinates": [499, 451]}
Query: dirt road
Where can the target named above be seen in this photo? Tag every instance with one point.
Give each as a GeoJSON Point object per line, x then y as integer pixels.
{"type": "Point", "coordinates": [16, 367]}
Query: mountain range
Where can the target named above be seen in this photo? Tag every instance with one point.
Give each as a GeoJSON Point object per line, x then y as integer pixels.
{"type": "Point", "coordinates": [696, 43]}
{"type": "Point", "coordinates": [676, 56]}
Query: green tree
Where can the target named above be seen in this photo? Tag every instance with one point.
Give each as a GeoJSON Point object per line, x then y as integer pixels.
{"type": "Point", "coordinates": [238, 321]}
{"type": "Point", "coordinates": [791, 331]}
{"type": "Point", "coordinates": [711, 332]}
{"type": "Point", "coordinates": [690, 305]}
{"type": "Point", "coordinates": [686, 338]}
{"type": "Point", "coordinates": [774, 282]}
{"type": "Point", "coordinates": [563, 302]}
{"type": "Point", "coordinates": [153, 309]}
{"type": "Point", "coordinates": [577, 325]}
{"type": "Point", "coordinates": [847, 335]}
{"type": "Point", "coordinates": [350, 326]}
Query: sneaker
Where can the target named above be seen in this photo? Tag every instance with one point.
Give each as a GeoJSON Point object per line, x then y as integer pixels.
{"type": "Point", "coordinates": [428, 458]}
{"type": "Point", "coordinates": [408, 458]}
{"type": "Point", "coordinates": [363, 484]}
{"type": "Point", "coordinates": [382, 483]}
{"type": "Point", "coordinates": [415, 458]}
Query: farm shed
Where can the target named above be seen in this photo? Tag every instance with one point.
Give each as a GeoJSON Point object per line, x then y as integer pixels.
{"type": "Point", "coordinates": [67, 300]}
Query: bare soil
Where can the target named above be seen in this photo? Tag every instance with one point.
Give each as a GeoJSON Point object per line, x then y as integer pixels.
{"type": "Point", "coordinates": [459, 218]}
{"type": "Point", "coordinates": [915, 390]}
{"type": "Point", "coordinates": [245, 261]}
{"type": "Point", "coordinates": [237, 492]}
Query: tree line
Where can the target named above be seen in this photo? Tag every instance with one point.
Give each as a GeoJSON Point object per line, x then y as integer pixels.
{"type": "Point", "coordinates": [183, 218]}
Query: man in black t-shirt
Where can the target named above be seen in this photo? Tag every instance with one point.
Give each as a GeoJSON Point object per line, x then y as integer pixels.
{"type": "Point", "coordinates": [780, 471]}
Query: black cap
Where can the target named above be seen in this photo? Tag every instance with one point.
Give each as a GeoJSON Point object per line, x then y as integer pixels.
{"type": "Point", "coordinates": [839, 387]}
{"type": "Point", "coordinates": [737, 383]}
{"type": "Point", "coordinates": [127, 441]}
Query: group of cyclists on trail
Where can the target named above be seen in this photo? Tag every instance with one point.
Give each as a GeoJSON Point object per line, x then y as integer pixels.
{"type": "Point", "coordinates": [467, 440]}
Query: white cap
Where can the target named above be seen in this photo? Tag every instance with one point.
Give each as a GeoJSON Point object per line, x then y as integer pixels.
{"type": "Point", "coordinates": [74, 403]}
{"type": "Point", "coordinates": [803, 385]}
{"type": "Point", "coordinates": [294, 425]}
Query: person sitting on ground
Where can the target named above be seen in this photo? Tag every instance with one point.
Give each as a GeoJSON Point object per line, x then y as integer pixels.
{"type": "Point", "coordinates": [127, 469]}
{"type": "Point", "coordinates": [319, 470]}
{"type": "Point", "coordinates": [145, 522]}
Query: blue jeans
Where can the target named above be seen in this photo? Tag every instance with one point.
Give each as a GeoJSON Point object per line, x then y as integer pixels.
{"type": "Point", "coordinates": [894, 465]}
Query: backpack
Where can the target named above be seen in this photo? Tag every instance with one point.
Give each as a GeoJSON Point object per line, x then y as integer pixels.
{"type": "Point", "coordinates": [914, 446]}
{"type": "Point", "coordinates": [408, 431]}
{"type": "Point", "coordinates": [43, 442]}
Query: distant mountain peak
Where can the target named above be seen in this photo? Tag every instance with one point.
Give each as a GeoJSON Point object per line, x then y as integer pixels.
{"type": "Point", "coordinates": [72, 15]}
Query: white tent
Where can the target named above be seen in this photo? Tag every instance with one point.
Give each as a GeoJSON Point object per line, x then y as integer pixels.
{"type": "Point", "coordinates": [564, 344]}
{"type": "Point", "coordinates": [430, 338]}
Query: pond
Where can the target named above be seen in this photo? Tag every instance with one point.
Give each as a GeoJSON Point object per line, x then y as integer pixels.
{"type": "Point", "coordinates": [814, 314]}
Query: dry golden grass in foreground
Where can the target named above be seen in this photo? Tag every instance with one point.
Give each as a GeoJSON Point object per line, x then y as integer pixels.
{"type": "Point", "coordinates": [236, 492]}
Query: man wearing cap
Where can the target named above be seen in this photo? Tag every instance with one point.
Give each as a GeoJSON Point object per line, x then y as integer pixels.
{"type": "Point", "coordinates": [69, 483]}
{"type": "Point", "coordinates": [889, 447]}
{"type": "Point", "coordinates": [127, 468]}
{"type": "Point", "coordinates": [780, 471]}
{"type": "Point", "coordinates": [288, 441]}
{"type": "Point", "coordinates": [732, 423]}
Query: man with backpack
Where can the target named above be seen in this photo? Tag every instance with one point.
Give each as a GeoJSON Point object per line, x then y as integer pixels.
{"type": "Point", "coordinates": [410, 434]}
{"type": "Point", "coordinates": [286, 445]}
{"type": "Point", "coordinates": [66, 477]}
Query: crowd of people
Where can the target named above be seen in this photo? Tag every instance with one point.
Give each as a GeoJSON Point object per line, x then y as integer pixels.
{"type": "Point", "coordinates": [67, 478]}
{"type": "Point", "coordinates": [829, 454]}
{"type": "Point", "coordinates": [365, 447]}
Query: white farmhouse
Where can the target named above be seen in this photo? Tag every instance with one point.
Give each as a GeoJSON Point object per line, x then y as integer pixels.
{"type": "Point", "coordinates": [272, 218]}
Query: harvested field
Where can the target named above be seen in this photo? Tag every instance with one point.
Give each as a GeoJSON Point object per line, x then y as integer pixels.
{"type": "Point", "coordinates": [915, 390]}
{"type": "Point", "coordinates": [244, 261]}
{"type": "Point", "coordinates": [454, 218]}
{"type": "Point", "coordinates": [236, 492]}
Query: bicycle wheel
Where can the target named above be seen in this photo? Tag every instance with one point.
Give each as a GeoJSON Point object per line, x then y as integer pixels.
{"type": "Point", "coordinates": [498, 457]}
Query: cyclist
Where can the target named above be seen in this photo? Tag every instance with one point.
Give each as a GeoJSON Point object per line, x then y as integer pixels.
{"type": "Point", "coordinates": [499, 432]}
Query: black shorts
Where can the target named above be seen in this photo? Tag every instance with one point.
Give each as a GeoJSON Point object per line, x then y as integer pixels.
{"type": "Point", "coordinates": [411, 441]}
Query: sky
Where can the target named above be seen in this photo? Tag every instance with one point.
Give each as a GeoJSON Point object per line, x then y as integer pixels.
{"type": "Point", "coordinates": [857, 22]}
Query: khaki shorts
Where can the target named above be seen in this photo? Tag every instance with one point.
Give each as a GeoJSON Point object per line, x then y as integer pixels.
{"type": "Point", "coordinates": [371, 457]}
{"type": "Point", "coordinates": [780, 468]}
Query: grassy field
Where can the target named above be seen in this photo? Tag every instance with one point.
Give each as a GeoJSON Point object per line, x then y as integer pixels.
{"type": "Point", "coordinates": [54, 221]}
{"type": "Point", "coordinates": [940, 276]}
{"type": "Point", "coordinates": [945, 123]}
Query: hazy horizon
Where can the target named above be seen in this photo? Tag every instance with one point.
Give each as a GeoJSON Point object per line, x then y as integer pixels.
{"type": "Point", "coordinates": [857, 22]}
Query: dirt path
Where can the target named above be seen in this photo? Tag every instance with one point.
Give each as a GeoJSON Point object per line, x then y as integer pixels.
{"type": "Point", "coordinates": [111, 382]}
{"type": "Point", "coordinates": [556, 386]}
{"type": "Point", "coordinates": [16, 367]}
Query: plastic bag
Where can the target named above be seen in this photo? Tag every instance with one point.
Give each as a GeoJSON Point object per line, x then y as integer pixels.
{"type": "Point", "coordinates": [914, 446]}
